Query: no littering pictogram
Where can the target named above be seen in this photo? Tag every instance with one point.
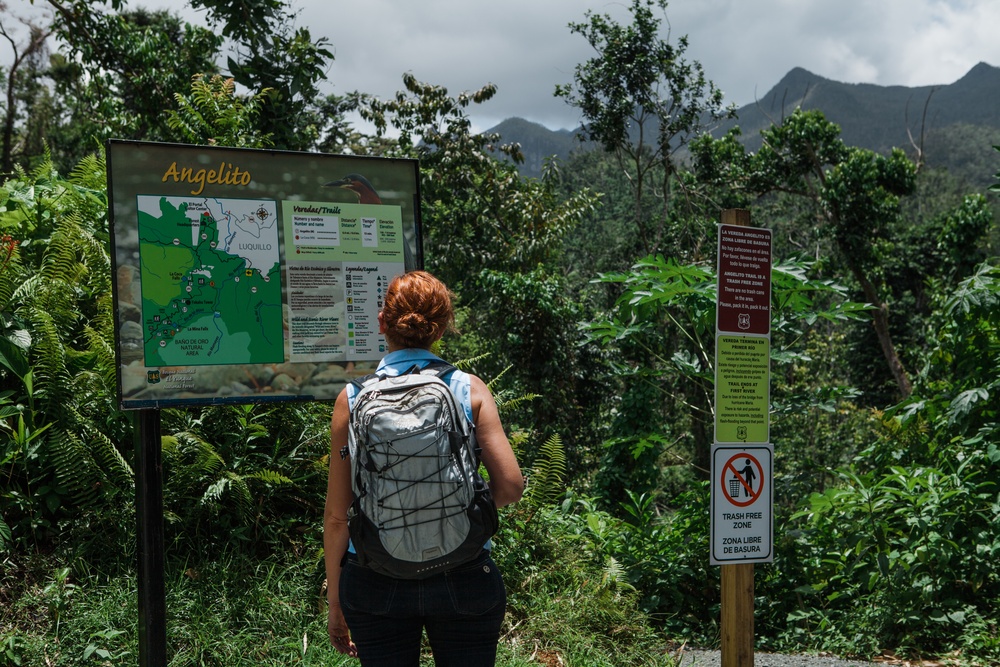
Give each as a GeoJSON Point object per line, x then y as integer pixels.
{"type": "Point", "coordinates": [742, 480]}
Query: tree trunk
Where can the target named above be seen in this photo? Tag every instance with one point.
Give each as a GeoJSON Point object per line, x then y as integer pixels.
{"type": "Point", "coordinates": [880, 320]}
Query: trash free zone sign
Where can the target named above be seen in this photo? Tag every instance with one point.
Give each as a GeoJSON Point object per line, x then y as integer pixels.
{"type": "Point", "coordinates": [742, 500]}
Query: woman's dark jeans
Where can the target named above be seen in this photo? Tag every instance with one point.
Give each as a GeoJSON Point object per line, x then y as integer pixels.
{"type": "Point", "coordinates": [461, 609]}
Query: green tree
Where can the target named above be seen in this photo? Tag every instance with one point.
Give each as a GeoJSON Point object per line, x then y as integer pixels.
{"type": "Point", "coordinates": [121, 71]}
{"type": "Point", "coordinates": [291, 66]}
{"type": "Point", "coordinates": [853, 196]}
{"type": "Point", "coordinates": [118, 69]}
{"type": "Point", "coordinates": [213, 114]}
{"type": "Point", "coordinates": [642, 101]}
{"type": "Point", "coordinates": [902, 551]}
{"type": "Point", "coordinates": [958, 386]}
{"type": "Point", "coordinates": [21, 89]}
{"type": "Point", "coordinates": [269, 53]}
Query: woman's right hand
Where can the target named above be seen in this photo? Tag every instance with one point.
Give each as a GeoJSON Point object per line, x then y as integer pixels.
{"type": "Point", "coordinates": [340, 636]}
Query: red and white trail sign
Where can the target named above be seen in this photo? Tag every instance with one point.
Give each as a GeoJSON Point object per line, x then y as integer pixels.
{"type": "Point", "coordinates": [744, 280]}
{"type": "Point", "coordinates": [742, 490]}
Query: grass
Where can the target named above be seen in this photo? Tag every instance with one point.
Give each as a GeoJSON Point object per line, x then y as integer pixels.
{"type": "Point", "coordinates": [233, 611]}
{"type": "Point", "coordinates": [239, 610]}
{"type": "Point", "coordinates": [564, 605]}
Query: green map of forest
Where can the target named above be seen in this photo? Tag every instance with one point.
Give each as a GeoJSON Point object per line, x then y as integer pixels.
{"type": "Point", "coordinates": [200, 304]}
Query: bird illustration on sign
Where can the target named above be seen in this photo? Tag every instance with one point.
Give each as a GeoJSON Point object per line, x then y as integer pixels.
{"type": "Point", "coordinates": [359, 185]}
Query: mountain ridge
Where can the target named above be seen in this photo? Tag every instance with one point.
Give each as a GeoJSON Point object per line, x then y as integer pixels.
{"type": "Point", "coordinates": [871, 116]}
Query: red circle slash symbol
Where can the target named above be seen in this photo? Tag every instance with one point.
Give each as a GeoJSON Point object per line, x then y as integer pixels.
{"type": "Point", "coordinates": [745, 485]}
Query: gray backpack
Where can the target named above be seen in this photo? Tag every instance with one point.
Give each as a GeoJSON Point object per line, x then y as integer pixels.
{"type": "Point", "coordinates": [420, 505]}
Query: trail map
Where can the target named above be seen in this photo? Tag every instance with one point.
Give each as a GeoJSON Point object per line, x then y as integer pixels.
{"type": "Point", "coordinates": [211, 287]}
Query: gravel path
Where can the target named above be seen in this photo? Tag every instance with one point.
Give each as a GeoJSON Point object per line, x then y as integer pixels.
{"type": "Point", "coordinates": [694, 658]}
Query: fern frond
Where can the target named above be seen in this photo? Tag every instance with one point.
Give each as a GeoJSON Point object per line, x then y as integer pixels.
{"type": "Point", "coordinates": [6, 536]}
{"type": "Point", "coordinates": [547, 477]}
{"type": "Point", "coordinates": [60, 261]}
{"type": "Point", "coordinates": [113, 465]}
{"type": "Point", "coordinates": [205, 461]}
{"type": "Point", "coordinates": [53, 381]}
{"type": "Point", "coordinates": [45, 171]}
{"type": "Point", "coordinates": [493, 382]}
{"type": "Point", "coordinates": [270, 477]}
{"type": "Point", "coordinates": [104, 356]}
{"type": "Point", "coordinates": [12, 274]}
{"type": "Point", "coordinates": [74, 467]}
{"type": "Point", "coordinates": [467, 364]}
{"type": "Point", "coordinates": [210, 460]}
{"type": "Point", "coordinates": [241, 496]}
{"type": "Point", "coordinates": [614, 576]}
{"type": "Point", "coordinates": [26, 291]}
{"type": "Point", "coordinates": [169, 446]}
{"type": "Point", "coordinates": [95, 257]}
{"type": "Point", "coordinates": [507, 403]}
{"type": "Point", "coordinates": [213, 494]}
{"type": "Point", "coordinates": [91, 172]}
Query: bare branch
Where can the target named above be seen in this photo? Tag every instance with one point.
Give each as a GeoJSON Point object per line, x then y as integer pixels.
{"type": "Point", "coordinates": [918, 147]}
{"type": "Point", "coordinates": [37, 38]}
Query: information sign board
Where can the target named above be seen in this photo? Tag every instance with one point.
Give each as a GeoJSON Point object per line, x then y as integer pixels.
{"type": "Point", "coordinates": [744, 284]}
{"type": "Point", "coordinates": [742, 456]}
{"type": "Point", "coordinates": [742, 388]}
{"type": "Point", "coordinates": [248, 276]}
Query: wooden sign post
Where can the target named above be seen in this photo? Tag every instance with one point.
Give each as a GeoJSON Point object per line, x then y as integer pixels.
{"type": "Point", "coordinates": [737, 615]}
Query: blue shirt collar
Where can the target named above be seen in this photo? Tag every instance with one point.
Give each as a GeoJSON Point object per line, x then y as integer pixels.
{"type": "Point", "coordinates": [408, 355]}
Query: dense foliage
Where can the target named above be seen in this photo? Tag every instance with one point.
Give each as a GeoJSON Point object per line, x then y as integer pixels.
{"type": "Point", "coordinates": [587, 299]}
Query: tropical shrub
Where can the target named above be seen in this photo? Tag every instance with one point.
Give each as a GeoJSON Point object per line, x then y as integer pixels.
{"type": "Point", "coordinates": [902, 552]}
{"type": "Point", "coordinates": [62, 439]}
{"type": "Point", "coordinates": [246, 477]}
{"type": "Point", "coordinates": [568, 595]}
{"type": "Point", "coordinates": [661, 331]}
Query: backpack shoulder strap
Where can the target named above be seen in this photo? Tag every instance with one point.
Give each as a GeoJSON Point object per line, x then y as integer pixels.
{"type": "Point", "coordinates": [436, 368]}
{"type": "Point", "coordinates": [439, 368]}
{"type": "Point", "coordinates": [365, 380]}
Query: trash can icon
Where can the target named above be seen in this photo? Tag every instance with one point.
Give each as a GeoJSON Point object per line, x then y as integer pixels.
{"type": "Point", "coordinates": [734, 487]}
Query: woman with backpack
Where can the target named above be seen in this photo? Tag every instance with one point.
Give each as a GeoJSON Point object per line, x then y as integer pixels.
{"type": "Point", "coordinates": [377, 613]}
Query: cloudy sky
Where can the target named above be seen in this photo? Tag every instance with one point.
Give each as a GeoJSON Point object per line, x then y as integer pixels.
{"type": "Point", "coordinates": [746, 46]}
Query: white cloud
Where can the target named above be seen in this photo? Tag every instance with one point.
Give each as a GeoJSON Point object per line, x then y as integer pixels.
{"type": "Point", "coordinates": [746, 46]}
